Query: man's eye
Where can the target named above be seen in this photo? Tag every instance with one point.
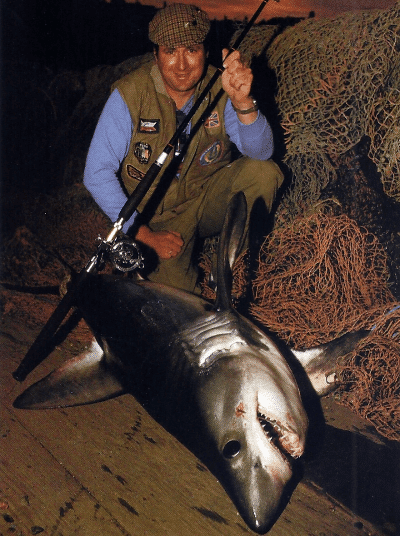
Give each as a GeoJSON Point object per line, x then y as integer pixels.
{"type": "Point", "coordinates": [170, 51]}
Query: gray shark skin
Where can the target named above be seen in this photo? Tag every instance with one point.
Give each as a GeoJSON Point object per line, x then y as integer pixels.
{"type": "Point", "coordinates": [211, 377]}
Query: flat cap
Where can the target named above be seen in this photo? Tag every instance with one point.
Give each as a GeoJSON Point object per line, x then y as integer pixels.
{"type": "Point", "coordinates": [179, 25]}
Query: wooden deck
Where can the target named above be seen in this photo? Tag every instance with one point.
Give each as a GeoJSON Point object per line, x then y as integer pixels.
{"type": "Point", "coordinates": [108, 470]}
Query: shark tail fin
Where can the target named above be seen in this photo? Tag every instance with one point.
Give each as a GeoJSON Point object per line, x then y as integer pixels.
{"type": "Point", "coordinates": [85, 379]}
{"type": "Point", "coordinates": [231, 241]}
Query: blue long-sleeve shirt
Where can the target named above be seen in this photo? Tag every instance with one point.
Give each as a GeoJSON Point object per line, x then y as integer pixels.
{"type": "Point", "coordinates": [111, 139]}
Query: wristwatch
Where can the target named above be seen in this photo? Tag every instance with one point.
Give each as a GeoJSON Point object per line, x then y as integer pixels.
{"type": "Point", "coordinates": [254, 108]}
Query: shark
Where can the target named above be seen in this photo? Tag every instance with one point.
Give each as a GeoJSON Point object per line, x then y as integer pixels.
{"type": "Point", "coordinates": [209, 375]}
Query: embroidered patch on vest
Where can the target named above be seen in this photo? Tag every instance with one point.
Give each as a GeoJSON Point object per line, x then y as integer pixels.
{"type": "Point", "coordinates": [213, 121]}
{"type": "Point", "coordinates": [143, 152]}
{"type": "Point", "coordinates": [134, 173]}
{"type": "Point", "coordinates": [149, 126]}
{"type": "Point", "coordinates": [212, 154]}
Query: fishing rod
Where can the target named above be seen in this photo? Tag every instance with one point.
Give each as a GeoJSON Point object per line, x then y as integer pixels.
{"type": "Point", "coordinates": [125, 254]}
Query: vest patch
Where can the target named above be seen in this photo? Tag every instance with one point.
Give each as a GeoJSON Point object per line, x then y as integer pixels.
{"type": "Point", "coordinates": [213, 121]}
{"type": "Point", "coordinates": [149, 126]}
{"type": "Point", "coordinates": [134, 173]}
{"type": "Point", "coordinates": [143, 152]}
{"type": "Point", "coordinates": [212, 154]}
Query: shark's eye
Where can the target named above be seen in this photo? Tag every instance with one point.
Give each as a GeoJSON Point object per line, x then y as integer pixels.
{"type": "Point", "coordinates": [231, 449]}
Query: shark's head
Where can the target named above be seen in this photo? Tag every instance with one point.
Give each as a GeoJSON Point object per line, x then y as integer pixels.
{"type": "Point", "coordinates": [258, 426]}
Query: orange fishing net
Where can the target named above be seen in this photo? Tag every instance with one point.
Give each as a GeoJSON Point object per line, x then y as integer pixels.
{"type": "Point", "coordinates": [319, 278]}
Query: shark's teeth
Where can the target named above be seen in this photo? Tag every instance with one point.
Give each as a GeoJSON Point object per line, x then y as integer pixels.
{"type": "Point", "coordinates": [285, 440]}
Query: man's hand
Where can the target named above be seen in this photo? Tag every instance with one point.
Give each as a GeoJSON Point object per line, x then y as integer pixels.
{"type": "Point", "coordinates": [167, 244]}
{"type": "Point", "coordinates": [236, 81]}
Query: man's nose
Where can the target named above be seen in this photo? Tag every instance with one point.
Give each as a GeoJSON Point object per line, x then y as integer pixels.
{"type": "Point", "coordinates": [182, 62]}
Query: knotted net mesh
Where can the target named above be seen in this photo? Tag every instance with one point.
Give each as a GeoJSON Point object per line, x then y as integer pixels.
{"type": "Point", "coordinates": [337, 80]}
{"type": "Point", "coordinates": [322, 277]}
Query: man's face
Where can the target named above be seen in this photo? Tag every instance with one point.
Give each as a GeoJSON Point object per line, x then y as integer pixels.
{"type": "Point", "coordinates": [181, 68]}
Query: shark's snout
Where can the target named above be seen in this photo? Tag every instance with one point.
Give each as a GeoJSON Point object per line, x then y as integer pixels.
{"type": "Point", "coordinates": [261, 512]}
{"type": "Point", "coordinates": [255, 488]}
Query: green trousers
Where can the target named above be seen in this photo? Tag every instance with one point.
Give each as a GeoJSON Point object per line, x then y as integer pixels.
{"type": "Point", "coordinates": [203, 216]}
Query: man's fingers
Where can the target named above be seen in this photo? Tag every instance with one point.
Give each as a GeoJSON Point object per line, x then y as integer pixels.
{"type": "Point", "coordinates": [167, 244]}
{"type": "Point", "coordinates": [228, 60]}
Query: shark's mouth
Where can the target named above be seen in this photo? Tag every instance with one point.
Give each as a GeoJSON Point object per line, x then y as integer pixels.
{"type": "Point", "coordinates": [285, 440]}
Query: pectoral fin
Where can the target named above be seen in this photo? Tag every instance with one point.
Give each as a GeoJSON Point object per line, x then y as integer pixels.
{"type": "Point", "coordinates": [320, 363]}
{"type": "Point", "coordinates": [85, 379]}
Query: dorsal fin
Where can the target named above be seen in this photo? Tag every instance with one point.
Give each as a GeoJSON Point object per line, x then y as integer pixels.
{"type": "Point", "coordinates": [230, 243]}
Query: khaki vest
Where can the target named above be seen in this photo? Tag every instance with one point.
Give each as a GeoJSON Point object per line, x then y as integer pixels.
{"type": "Point", "coordinates": [153, 116]}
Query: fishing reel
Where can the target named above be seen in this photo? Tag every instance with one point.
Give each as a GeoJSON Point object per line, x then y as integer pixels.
{"type": "Point", "coordinates": [125, 255]}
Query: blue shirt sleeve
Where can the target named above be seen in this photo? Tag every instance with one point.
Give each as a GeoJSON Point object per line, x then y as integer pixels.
{"type": "Point", "coordinates": [109, 146]}
{"type": "Point", "coordinates": [255, 140]}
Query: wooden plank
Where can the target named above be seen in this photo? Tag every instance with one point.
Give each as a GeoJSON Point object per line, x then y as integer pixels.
{"type": "Point", "coordinates": [312, 512]}
{"type": "Point", "coordinates": [39, 495]}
